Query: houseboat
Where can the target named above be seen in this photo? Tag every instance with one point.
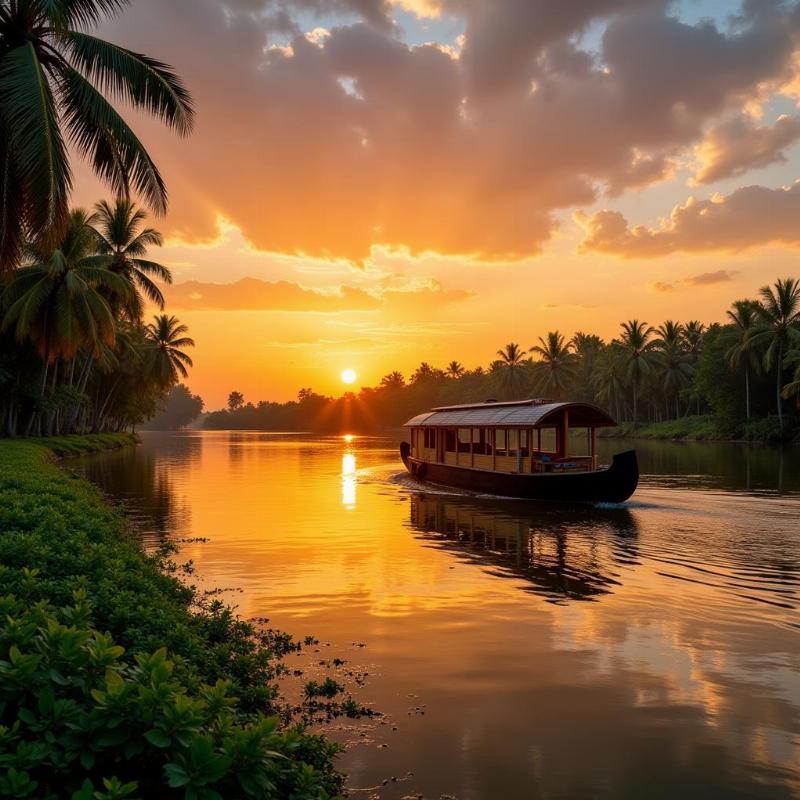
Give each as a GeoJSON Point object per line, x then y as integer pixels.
{"type": "Point", "coordinates": [532, 449]}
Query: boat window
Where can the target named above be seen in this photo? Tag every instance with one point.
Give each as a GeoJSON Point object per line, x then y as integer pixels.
{"type": "Point", "coordinates": [489, 439]}
{"type": "Point", "coordinates": [430, 438]}
{"type": "Point", "coordinates": [523, 443]}
{"type": "Point", "coordinates": [500, 441]}
{"type": "Point", "coordinates": [579, 443]}
{"type": "Point", "coordinates": [464, 440]}
{"type": "Point", "coordinates": [513, 441]}
{"type": "Point", "coordinates": [479, 441]}
{"type": "Point", "coordinates": [549, 440]}
{"type": "Point", "coordinates": [450, 440]}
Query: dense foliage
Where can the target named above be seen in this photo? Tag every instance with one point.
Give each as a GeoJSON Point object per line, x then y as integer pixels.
{"type": "Point", "coordinates": [742, 376]}
{"type": "Point", "coordinates": [75, 352]}
{"type": "Point", "coordinates": [181, 408]}
{"type": "Point", "coordinates": [56, 84]}
{"type": "Point", "coordinates": [117, 680]}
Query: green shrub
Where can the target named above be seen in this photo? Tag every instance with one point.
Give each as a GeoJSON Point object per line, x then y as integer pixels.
{"type": "Point", "coordinates": [78, 720]}
{"type": "Point", "coordinates": [69, 568]}
{"type": "Point", "coordinates": [769, 429]}
{"type": "Point", "coordinates": [694, 427]}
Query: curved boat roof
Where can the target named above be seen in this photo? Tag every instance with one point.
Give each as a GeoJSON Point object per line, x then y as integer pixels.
{"type": "Point", "coordinates": [519, 413]}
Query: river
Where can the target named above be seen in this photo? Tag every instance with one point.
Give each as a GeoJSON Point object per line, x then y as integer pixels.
{"type": "Point", "coordinates": [649, 650]}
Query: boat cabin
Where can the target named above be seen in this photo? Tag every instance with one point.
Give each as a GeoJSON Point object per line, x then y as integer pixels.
{"type": "Point", "coordinates": [522, 437]}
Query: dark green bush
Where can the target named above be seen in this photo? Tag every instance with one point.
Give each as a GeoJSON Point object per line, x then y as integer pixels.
{"type": "Point", "coordinates": [769, 429]}
{"type": "Point", "coordinates": [79, 720]}
{"type": "Point", "coordinates": [155, 689]}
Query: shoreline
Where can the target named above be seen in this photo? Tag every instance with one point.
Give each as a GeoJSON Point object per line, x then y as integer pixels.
{"type": "Point", "coordinates": [70, 566]}
{"type": "Point", "coordinates": [699, 429]}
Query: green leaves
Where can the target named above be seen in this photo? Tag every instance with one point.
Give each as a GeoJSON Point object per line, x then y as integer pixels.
{"type": "Point", "coordinates": [74, 708]}
{"type": "Point", "coordinates": [100, 134]}
{"type": "Point", "coordinates": [28, 113]}
{"type": "Point", "coordinates": [84, 718]}
{"type": "Point", "coordinates": [47, 64]}
{"type": "Point", "coordinates": [137, 79]}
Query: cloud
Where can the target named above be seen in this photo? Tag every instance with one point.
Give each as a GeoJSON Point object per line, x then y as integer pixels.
{"type": "Point", "coordinates": [703, 279]}
{"type": "Point", "coordinates": [252, 294]}
{"type": "Point", "coordinates": [749, 217]}
{"type": "Point", "coordinates": [709, 278]}
{"type": "Point", "coordinates": [740, 144]}
{"type": "Point", "coordinates": [360, 139]}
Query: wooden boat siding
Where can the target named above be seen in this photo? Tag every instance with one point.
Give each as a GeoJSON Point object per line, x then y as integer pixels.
{"type": "Point", "coordinates": [613, 484]}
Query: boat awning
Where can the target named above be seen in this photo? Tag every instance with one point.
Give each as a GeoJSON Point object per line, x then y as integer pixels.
{"type": "Point", "coordinates": [522, 414]}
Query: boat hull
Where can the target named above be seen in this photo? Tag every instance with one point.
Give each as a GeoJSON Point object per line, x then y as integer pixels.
{"type": "Point", "coordinates": [612, 484]}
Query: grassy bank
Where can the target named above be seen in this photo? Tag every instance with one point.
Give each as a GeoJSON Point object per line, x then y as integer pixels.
{"type": "Point", "coordinates": [707, 428]}
{"type": "Point", "coordinates": [116, 680]}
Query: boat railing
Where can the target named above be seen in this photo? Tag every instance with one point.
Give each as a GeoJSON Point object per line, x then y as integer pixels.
{"type": "Point", "coordinates": [547, 462]}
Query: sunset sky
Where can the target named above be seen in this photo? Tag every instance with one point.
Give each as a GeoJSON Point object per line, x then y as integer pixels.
{"type": "Point", "coordinates": [373, 183]}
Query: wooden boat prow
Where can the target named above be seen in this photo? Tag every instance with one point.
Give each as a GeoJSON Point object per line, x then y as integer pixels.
{"type": "Point", "coordinates": [522, 449]}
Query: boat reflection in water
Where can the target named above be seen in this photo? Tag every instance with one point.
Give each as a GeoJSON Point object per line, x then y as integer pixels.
{"type": "Point", "coordinates": [565, 553]}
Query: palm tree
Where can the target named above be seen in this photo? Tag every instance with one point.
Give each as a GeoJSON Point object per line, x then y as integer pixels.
{"type": "Point", "coordinates": [56, 302]}
{"type": "Point", "coordinates": [168, 361]}
{"type": "Point", "coordinates": [120, 235]}
{"type": "Point", "coordinates": [557, 366]}
{"type": "Point", "coordinates": [53, 76]}
{"type": "Point", "coordinates": [780, 327]}
{"type": "Point", "coordinates": [454, 369]}
{"type": "Point", "coordinates": [676, 370]}
{"type": "Point", "coordinates": [670, 334]}
{"type": "Point", "coordinates": [587, 348]}
{"type": "Point", "coordinates": [744, 317]}
{"type": "Point", "coordinates": [674, 360]}
{"type": "Point", "coordinates": [511, 362]}
{"type": "Point", "coordinates": [236, 399]}
{"type": "Point", "coordinates": [638, 345]}
{"type": "Point", "coordinates": [394, 380]}
{"type": "Point", "coordinates": [425, 372]}
{"type": "Point", "coordinates": [608, 379]}
{"type": "Point", "coordinates": [693, 333]}
{"type": "Point", "coordinates": [792, 389]}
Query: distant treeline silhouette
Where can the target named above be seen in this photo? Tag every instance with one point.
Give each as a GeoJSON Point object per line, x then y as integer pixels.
{"type": "Point", "coordinates": [745, 373]}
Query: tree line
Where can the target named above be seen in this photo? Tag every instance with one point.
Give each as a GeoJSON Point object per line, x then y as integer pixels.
{"type": "Point", "coordinates": [745, 373]}
{"type": "Point", "coordinates": [76, 353]}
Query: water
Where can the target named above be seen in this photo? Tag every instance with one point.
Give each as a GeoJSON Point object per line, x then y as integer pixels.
{"type": "Point", "coordinates": [649, 650]}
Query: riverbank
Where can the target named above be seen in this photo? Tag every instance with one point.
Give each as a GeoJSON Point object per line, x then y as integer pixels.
{"type": "Point", "coordinates": [705, 428]}
{"type": "Point", "coordinates": [116, 679]}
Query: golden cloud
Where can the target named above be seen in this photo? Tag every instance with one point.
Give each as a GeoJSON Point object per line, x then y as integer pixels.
{"type": "Point", "coordinates": [749, 217]}
{"type": "Point", "coordinates": [252, 294]}
{"type": "Point", "coordinates": [329, 148]}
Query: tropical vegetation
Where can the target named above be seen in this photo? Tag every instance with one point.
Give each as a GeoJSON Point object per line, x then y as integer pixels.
{"type": "Point", "coordinates": [740, 378]}
{"type": "Point", "coordinates": [76, 354]}
{"type": "Point", "coordinates": [57, 81]}
{"type": "Point", "coordinates": [117, 680]}
{"type": "Point", "coordinates": [180, 409]}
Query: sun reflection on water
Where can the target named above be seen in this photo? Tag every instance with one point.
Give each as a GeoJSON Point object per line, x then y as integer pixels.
{"type": "Point", "coordinates": [349, 480]}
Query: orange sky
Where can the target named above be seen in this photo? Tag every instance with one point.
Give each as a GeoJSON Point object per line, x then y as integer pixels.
{"type": "Point", "coordinates": [374, 183]}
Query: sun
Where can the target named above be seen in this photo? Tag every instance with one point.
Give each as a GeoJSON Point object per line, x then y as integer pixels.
{"type": "Point", "coordinates": [349, 376]}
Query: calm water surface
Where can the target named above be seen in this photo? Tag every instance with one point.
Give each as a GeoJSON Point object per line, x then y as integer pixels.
{"type": "Point", "coordinates": [650, 650]}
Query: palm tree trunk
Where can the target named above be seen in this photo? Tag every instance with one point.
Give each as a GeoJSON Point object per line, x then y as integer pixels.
{"type": "Point", "coordinates": [51, 415]}
{"type": "Point", "coordinates": [83, 379]}
{"type": "Point", "coordinates": [778, 385]}
{"type": "Point", "coordinates": [747, 390]}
